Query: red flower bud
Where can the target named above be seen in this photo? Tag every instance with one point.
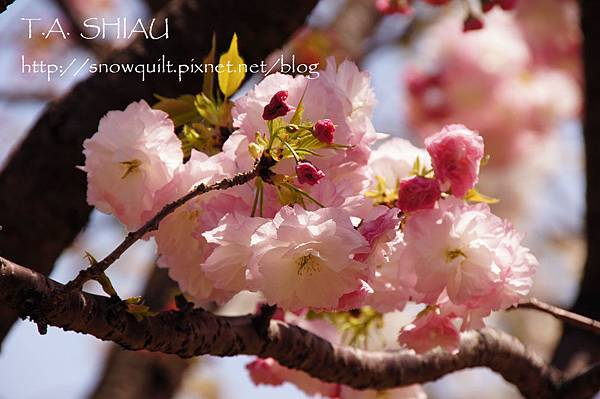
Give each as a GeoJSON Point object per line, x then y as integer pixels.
{"type": "Point", "coordinates": [324, 130]}
{"type": "Point", "coordinates": [308, 174]}
{"type": "Point", "coordinates": [507, 4]}
{"type": "Point", "coordinates": [472, 23]}
{"type": "Point", "coordinates": [437, 2]}
{"type": "Point", "coordinates": [418, 193]}
{"type": "Point", "coordinates": [487, 5]}
{"type": "Point", "coordinates": [277, 106]}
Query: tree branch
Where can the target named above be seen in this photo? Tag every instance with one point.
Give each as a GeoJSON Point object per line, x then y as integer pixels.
{"type": "Point", "coordinates": [42, 195]}
{"type": "Point", "coordinates": [97, 269]}
{"type": "Point", "coordinates": [194, 332]}
{"type": "Point", "coordinates": [574, 319]}
{"type": "Point", "coordinates": [4, 4]}
{"type": "Point", "coordinates": [98, 49]}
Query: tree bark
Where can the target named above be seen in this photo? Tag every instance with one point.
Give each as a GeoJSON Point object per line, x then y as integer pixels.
{"type": "Point", "coordinates": [194, 332]}
{"type": "Point", "coordinates": [579, 348]}
{"type": "Point", "coordinates": [42, 194]}
{"type": "Point", "coordinates": [141, 374]}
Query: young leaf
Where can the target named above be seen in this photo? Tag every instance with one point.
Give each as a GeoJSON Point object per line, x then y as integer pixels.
{"type": "Point", "coordinates": [475, 196]}
{"type": "Point", "coordinates": [233, 69]}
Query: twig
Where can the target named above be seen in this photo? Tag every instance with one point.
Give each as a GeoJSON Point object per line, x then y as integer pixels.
{"type": "Point", "coordinates": [574, 319]}
{"type": "Point", "coordinates": [97, 269]}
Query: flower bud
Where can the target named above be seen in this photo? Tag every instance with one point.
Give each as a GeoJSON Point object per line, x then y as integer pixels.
{"type": "Point", "coordinates": [487, 5]}
{"type": "Point", "coordinates": [394, 6]}
{"type": "Point", "coordinates": [507, 4]}
{"type": "Point", "coordinates": [324, 131]}
{"type": "Point", "coordinates": [277, 106]}
{"type": "Point", "coordinates": [308, 174]}
{"type": "Point", "coordinates": [472, 23]}
{"type": "Point", "coordinates": [417, 193]}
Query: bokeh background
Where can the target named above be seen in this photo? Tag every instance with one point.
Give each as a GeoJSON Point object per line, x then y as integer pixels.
{"type": "Point", "coordinates": [517, 81]}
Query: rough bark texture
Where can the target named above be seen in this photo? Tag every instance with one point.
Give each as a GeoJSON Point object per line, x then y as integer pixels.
{"type": "Point", "coordinates": [196, 332]}
{"type": "Point", "coordinates": [580, 348]}
{"type": "Point", "coordinates": [42, 194]}
{"type": "Point", "coordinates": [141, 374]}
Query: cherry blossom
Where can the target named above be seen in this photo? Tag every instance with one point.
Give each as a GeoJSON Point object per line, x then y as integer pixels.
{"type": "Point", "coordinates": [456, 153]}
{"type": "Point", "coordinates": [133, 155]}
{"type": "Point", "coordinates": [304, 258]}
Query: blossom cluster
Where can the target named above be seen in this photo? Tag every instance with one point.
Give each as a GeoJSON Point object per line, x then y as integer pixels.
{"type": "Point", "coordinates": [515, 81]}
{"type": "Point", "coordinates": [329, 225]}
{"type": "Point", "coordinates": [472, 20]}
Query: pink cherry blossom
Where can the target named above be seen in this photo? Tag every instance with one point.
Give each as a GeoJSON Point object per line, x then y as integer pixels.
{"type": "Point", "coordinates": [417, 193]}
{"type": "Point", "coordinates": [180, 245]}
{"type": "Point", "coordinates": [134, 154]}
{"type": "Point", "coordinates": [225, 267]}
{"type": "Point", "coordinates": [393, 160]}
{"type": "Point", "coordinates": [456, 153]}
{"type": "Point", "coordinates": [470, 253]}
{"type": "Point", "coordinates": [429, 330]}
{"type": "Point", "coordinates": [269, 372]}
{"type": "Point", "coordinates": [304, 259]}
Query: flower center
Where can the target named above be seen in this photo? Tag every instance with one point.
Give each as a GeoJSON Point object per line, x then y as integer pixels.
{"type": "Point", "coordinates": [308, 264]}
{"type": "Point", "coordinates": [452, 254]}
{"type": "Point", "coordinates": [130, 167]}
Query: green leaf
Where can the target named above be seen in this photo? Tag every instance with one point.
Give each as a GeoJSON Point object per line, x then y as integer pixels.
{"type": "Point", "coordinates": [297, 118]}
{"type": "Point", "coordinates": [136, 307]}
{"type": "Point", "coordinates": [230, 80]}
{"type": "Point", "coordinates": [107, 285]}
{"type": "Point", "coordinates": [475, 196]}
{"type": "Point", "coordinates": [181, 110]}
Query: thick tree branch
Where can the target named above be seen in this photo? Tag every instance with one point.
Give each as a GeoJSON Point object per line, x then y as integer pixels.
{"type": "Point", "coordinates": [4, 4]}
{"type": "Point", "coordinates": [197, 332]}
{"type": "Point", "coordinates": [133, 375]}
{"type": "Point", "coordinates": [97, 269]}
{"type": "Point", "coordinates": [43, 195]}
{"type": "Point", "coordinates": [97, 48]}
{"type": "Point", "coordinates": [578, 348]}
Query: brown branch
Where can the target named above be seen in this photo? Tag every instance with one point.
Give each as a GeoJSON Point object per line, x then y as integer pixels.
{"type": "Point", "coordinates": [574, 319]}
{"type": "Point", "coordinates": [194, 332]}
{"type": "Point", "coordinates": [98, 49]}
{"type": "Point", "coordinates": [4, 4]}
{"type": "Point", "coordinates": [579, 348]}
{"type": "Point", "coordinates": [97, 269]}
{"type": "Point", "coordinates": [133, 375]}
{"type": "Point", "coordinates": [43, 195]}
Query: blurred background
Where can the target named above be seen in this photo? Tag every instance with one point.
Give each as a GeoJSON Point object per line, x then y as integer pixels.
{"type": "Point", "coordinates": [518, 81]}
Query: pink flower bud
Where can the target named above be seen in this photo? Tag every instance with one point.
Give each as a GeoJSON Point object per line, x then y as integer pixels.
{"type": "Point", "coordinates": [472, 23]}
{"type": "Point", "coordinates": [418, 192]}
{"type": "Point", "coordinates": [308, 174]}
{"type": "Point", "coordinates": [277, 106]}
{"type": "Point", "coordinates": [324, 130]}
{"type": "Point", "coordinates": [456, 154]}
{"type": "Point", "coordinates": [393, 6]}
